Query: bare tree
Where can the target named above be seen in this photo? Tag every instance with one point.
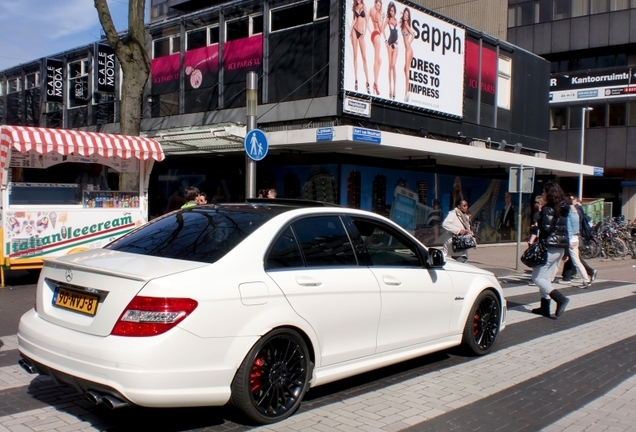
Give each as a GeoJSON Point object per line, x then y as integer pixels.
{"type": "Point", "coordinates": [133, 58]}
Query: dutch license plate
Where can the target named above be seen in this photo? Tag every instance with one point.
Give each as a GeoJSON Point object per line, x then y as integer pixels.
{"type": "Point", "coordinates": [75, 301]}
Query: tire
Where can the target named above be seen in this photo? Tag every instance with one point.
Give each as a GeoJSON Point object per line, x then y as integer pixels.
{"type": "Point", "coordinates": [273, 378]}
{"type": "Point", "coordinates": [483, 324]}
{"type": "Point", "coordinates": [589, 248]}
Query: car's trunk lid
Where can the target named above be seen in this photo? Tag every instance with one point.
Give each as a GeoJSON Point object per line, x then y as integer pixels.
{"type": "Point", "coordinates": [89, 291]}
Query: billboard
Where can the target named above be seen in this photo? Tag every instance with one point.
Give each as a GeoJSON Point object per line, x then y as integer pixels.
{"type": "Point", "coordinates": [592, 84]}
{"type": "Point", "coordinates": [396, 53]}
{"type": "Point", "coordinates": [105, 69]}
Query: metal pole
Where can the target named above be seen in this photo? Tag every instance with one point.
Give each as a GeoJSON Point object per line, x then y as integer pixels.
{"type": "Point", "coordinates": [584, 111]}
{"type": "Point", "coordinates": [519, 190]}
{"type": "Point", "coordinates": [251, 108]}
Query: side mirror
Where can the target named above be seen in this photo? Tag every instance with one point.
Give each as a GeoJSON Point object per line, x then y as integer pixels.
{"type": "Point", "coordinates": [435, 258]}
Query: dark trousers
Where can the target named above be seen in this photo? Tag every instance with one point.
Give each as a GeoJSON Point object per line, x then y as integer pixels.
{"type": "Point", "coordinates": [569, 270]}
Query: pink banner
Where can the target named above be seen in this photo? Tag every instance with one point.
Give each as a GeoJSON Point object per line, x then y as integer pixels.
{"type": "Point", "coordinates": [243, 54]}
{"type": "Point", "coordinates": [165, 74]}
{"type": "Point", "coordinates": [201, 67]}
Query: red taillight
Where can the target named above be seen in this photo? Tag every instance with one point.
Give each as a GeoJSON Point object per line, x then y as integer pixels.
{"type": "Point", "coordinates": [150, 316]}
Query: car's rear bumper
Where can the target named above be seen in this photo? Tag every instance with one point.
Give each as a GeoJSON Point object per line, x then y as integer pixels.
{"type": "Point", "coordinates": [175, 369]}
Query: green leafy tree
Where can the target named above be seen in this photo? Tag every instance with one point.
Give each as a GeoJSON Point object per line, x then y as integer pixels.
{"type": "Point", "coordinates": [134, 61]}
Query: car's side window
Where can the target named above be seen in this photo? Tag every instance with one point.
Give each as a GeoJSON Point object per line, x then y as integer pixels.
{"type": "Point", "coordinates": [324, 242]}
{"type": "Point", "coordinates": [384, 246]}
{"type": "Point", "coordinates": [284, 252]}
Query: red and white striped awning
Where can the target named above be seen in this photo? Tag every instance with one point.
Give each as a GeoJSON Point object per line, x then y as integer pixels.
{"type": "Point", "coordinates": [66, 141]}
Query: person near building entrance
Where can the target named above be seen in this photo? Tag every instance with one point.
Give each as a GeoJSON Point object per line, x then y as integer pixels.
{"type": "Point", "coordinates": [553, 229]}
{"type": "Point", "coordinates": [506, 223]}
{"type": "Point", "coordinates": [93, 178]}
{"type": "Point", "coordinates": [456, 223]}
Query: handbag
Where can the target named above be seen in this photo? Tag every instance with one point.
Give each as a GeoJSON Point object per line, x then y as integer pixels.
{"type": "Point", "coordinates": [535, 255]}
{"type": "Point", "coordinates": [464, 241]}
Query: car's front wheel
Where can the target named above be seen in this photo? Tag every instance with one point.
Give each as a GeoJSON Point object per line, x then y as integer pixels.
{"type": "Point", "coordinates": [482, 326]}
{"type": "Point", "coordinates": [273, 378]}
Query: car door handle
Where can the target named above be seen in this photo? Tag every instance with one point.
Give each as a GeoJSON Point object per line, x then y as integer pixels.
{"type": "Point", "coordinates": [390, 280]}
{"type": "Point", "coordinates": [307, 281]}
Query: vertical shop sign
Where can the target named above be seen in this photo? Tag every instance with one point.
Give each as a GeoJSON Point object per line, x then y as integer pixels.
{"type": "Point", "coordinates": [105, 67]}
{"type": "Point", "coordinates": [54, 80]}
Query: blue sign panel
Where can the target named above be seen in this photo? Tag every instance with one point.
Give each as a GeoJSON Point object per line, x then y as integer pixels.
{"type": "Point", "coordinates": [598, 171]}
{"type": "Point", "coordinates": [324, 134]}
{"type": "Point", "coordinates": [256, 144]}
{"type": "Point", "coordinates": [367, 135]}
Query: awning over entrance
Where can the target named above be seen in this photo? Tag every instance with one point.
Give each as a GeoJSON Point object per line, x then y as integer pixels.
{"type": "Point", "coordinates": [66, 141]}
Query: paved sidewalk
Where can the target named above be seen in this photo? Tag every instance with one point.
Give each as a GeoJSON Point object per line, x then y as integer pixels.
{"type": "Point", "coordinates": [501, 258]}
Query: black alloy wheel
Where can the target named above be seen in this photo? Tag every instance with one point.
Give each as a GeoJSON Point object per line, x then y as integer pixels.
{"type": "Point", "coordinates": [273, 378]}
{"type": "Point", "coordinates": [482, 326]}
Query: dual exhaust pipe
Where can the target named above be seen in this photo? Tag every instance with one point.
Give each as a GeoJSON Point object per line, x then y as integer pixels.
{"type": "Point", "coordinates": [94, 397]}
{"type": "Point", "coordinates": [109, 401]}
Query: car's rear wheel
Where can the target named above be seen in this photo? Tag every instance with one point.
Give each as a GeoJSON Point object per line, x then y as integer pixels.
{"type": "Point", "coordinates": [273, 378]}
{"type": "Point", "coordinates": [482, 326]}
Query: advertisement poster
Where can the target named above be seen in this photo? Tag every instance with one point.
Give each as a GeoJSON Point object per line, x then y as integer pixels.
{"type": "Point", "coordinates": [105, 68]}
{"type": "Point", "coordinates": [593, 84]}
{"type": "Point", "coordinates": [38, 234]}
{"type": "Point", "coordinates": [54, 80]}
{"type": "Point", "coordinates": [165, 74]}
{"type": "Point", "coordinates": [397, 53]}
{"type": "Point", "coordinates": [488, 72]}
{"type": "Point", "coordinates": [241, 56]}
{"type": "Point", "coordinates": [201, 67]}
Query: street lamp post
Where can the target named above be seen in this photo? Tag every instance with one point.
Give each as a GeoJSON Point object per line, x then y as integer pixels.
{"type": "Point", "coordinates": [584, 110]}
{"type": "Point", "coordinates": [251, 109]}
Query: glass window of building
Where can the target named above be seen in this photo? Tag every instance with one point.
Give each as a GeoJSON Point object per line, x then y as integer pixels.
{"type": "Point", "coordinates": [511, 16]}
{"type": "Point", "coordinates": [504, 82]}
{"type": "Point", "coordinates": [32, 80]}
{"type": "Point", "coordinates": [596, 117]}
{"type": "Point", "coordinates": [599, 6]}
{"type": "Point", "coordinates": [214, 37]}
{"type": "Point", "coordinates": [632, 111]}
{"type": "Point", "coordinates": [619, 5]}
{"type": "Point", "coordinates": [78, 83]}
{"type": "Point", "coordinates": [580, 8]}
{"type": "Point", "coordinates": [558, 117]}
{"type": "Point", "coordinates": [544, 10]}
{"type": "Point", "coordinates": [294, 15]}
{"type": "Point", "coordinates": [196, 39]}
{"type": "Point", "coordinates": [322, 9]}
{"type": "Point", "coordinates": [617, 114]}
{"type": "Point", "coordinates": [2, 87]}
{"type": "Point", "coordinates": [528, 13]}
{"type": "Point", "coordinates": [256, 22]}
{"type": "Point", "coordinates": [166, 46]}
{"type": "Point", "coordinates": [561, 9]}
{"type": "Point", "coordinates": [15, 85]}
{"type": "Point", "coordinates": [237, 29]}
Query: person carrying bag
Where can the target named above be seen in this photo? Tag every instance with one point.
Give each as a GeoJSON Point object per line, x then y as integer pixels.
{"type": "Point", "coordinates": [459, 237]}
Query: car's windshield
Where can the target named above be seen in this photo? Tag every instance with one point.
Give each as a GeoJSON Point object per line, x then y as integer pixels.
{"type": "Point", "coordinates": [200, 234]}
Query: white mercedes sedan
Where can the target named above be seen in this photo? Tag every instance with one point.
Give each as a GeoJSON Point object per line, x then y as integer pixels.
{"type": "Point", "coordinates": [251, 304]}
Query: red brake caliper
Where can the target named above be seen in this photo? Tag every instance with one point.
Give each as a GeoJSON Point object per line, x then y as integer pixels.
{"type": "Point", "coordinates": [476, 324]}
{"type": "Point", "coordinates": [255, 375]}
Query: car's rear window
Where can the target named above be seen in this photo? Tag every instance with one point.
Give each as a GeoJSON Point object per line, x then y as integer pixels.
{"type": "Point", "coordinates": [198, 234]}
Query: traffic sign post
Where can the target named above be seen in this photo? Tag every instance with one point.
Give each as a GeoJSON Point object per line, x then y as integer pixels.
{"type": "Point", "coordinates": [520, 184]}
{"type": "Point", "coordinates": [256, 145]}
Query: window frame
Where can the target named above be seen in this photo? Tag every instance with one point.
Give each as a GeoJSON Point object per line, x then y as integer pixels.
{"type": "Point", "coordinates": [272, 11]}
{"type": "Point", "coordinates": [504, 75]}
{"type": "Point", "coordinates": [171, 39]}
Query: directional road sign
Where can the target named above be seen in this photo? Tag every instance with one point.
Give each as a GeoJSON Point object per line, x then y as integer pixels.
{"type": "Point", "coordinates": [256, 144]}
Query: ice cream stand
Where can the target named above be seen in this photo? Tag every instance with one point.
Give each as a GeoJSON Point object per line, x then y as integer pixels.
{"type": "Point", "coordinates": [48, 207]}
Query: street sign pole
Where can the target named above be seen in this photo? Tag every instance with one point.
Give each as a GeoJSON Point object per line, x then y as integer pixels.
{"type": "Point", "coordinates": [520, 190]}
{"type": "Point", "coordinates": [250, 124]}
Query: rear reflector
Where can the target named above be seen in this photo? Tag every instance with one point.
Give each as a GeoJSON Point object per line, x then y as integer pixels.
{"type": "Point", "coordinates": [150, 316]}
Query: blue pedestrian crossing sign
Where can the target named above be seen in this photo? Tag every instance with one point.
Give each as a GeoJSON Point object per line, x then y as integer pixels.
{"type": "Point", "coordinates": [256, 144]}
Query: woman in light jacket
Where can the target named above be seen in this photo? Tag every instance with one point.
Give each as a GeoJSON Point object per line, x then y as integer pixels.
{"type": "Point", "coordinates": [456, 223]}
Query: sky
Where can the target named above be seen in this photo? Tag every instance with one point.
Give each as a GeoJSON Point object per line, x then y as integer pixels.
{"type": "Point", "coordinates": [32, 29]}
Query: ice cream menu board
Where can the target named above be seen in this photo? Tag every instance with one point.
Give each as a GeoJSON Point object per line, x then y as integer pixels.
{"type": "Point", "coordinates": [33, 159]}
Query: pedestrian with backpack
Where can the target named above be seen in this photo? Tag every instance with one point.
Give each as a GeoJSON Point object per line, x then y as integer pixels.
{"type": "Point", "coordinates": [588, 274]}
